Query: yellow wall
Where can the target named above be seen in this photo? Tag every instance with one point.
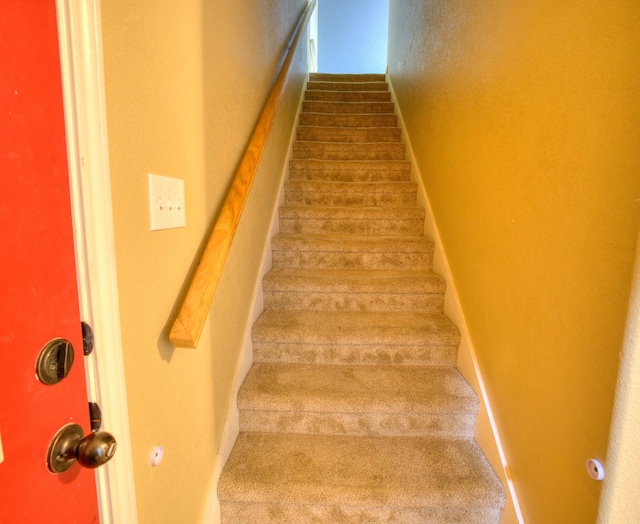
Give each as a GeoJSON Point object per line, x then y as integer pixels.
{"type": "Point", "coordinates": [185, 82]}
{"type": "Point", "coordinates": [525, 120]}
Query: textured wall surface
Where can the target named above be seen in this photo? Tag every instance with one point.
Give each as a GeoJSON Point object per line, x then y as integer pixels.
{"type": "Point", "coordinates": [620, 502]}
{"type": "Point", "coordinates": [525, 121]}
{"type": "Point", "coordinates": [185, 83]}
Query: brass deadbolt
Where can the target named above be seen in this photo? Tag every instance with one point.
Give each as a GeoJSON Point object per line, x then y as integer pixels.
{"type": "Point", "coordinates": [54, 361]}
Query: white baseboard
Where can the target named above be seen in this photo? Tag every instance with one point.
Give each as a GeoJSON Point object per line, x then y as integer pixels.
{"type": "Point", "coordinates": [231, 428]}
{"type": "Point", "coordinates": [467, 362]}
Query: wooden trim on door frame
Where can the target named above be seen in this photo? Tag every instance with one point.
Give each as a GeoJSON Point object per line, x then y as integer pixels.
{"type": "Point", "coordinates": [79, 29]}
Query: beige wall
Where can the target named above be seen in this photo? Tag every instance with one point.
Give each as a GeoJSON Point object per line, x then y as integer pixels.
{"type": "Point", "coordinates": [524, 117]}
{"type": "Point", "coordinates": [185, 82]}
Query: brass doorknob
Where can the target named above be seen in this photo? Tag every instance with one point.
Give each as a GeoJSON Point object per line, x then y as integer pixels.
{"type": "Point", "coordinates": [69, 445]}
{"type": "Point", "coordinates": [95, 449]}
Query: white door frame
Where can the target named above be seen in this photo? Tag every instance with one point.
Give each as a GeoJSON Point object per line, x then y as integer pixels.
{"type": "Point", "coordinates": [79, 29]}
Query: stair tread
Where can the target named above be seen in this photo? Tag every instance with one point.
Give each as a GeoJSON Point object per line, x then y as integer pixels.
{"type": "Point", "coordinates": [378, 165]}
{"type": "Point", "coordinates": [356, 328]}
{"type": "Point", "coordinates": [349, 134]}
{"type": "Point", "coordinates": [359, 470]}
{"type": "Point", "coordinates": [356, 389]}
{"type": "Point", "coordinates": [348, 77]}
{"type": "Point", "coordinates": [348, 96]}
{"type": "Point", "coordinates": [348, 145]}
{"type": "Point", "coordinates": [346, 116]}
{"type": "Point", "coordinates": [342, 121]}
{"type": "Point", "coordinates": [337, 212]}
{"type": "Point", "coordinates": [349, 103]}
{"type": "Point", "coordinates": [347, 107]}
{"type": "Point", "coordinates": [351, 243]}
{"type": "Point", "coordinates": [349, 150]}
{"type": "Point", "coordinates": [357, 219]}
{"type": "Point", "coordinates": [326, 85]}
{"type": "Point", "coordinates": [352, 129]}
{"type": "Point", "coordinates": [353, 280]}
{"type": "Point", "coordinates": [367, 193]}
{"type": "Point", "coordinates": [329, 186]}
{"type": "Point", "coordinates": [352, 251]}
{"type": "Point", "coordinates": [349, 171]}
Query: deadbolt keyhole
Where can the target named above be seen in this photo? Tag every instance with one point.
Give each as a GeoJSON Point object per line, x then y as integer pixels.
{"type": "Point", "coordinates": [54, 361]}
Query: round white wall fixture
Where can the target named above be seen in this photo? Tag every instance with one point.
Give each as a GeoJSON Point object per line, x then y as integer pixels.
{"type": "Point", "coordinates": [156, 456]}
{"type": "Point", "coordinates": [595, 469]}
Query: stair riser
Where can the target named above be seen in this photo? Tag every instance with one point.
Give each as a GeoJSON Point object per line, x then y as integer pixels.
{"type": "Point", "coordinates": [351, 301]}
{"type": "Point", "coordinates": [274, 513]}
{"type": "Point", "coordinates": [341, 121]}
{"type": "Point", "coordinates": [457, 425]}
{"type": "Point", "coordinates": [323, 106]}
{"type": "Point", "coordinates": [348, 77]}
{"type": "Point", "coordinates": [353, 135]}
{"type": "Point", "coordinates": [349, 96]}
{"type": "Point", "coordinates": [348, 152]}
{"type": "Point", "coordinates": [347, 86]}
{"type": "Point", "coordinates": [349, 199]}
{"type": "Point", "coordinates": [426, 354]}
{"type": "Point", "coordinates": [328, 259]}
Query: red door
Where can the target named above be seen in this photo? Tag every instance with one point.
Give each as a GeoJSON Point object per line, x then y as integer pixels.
{"type": "Point", "coordinates": [39, 298]}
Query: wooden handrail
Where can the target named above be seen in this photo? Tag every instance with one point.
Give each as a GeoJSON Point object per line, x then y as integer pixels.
{"type": "Point", "coordinates": [187, 327]}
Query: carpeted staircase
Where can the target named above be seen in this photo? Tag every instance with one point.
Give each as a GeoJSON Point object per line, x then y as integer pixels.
{"type": "Point", "coordinates": [353, 410]}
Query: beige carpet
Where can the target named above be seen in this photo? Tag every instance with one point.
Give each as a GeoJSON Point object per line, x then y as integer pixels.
{"type": "Point", "coordinates": [353, 411]}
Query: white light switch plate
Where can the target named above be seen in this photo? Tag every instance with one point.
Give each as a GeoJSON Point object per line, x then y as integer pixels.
{"type": "Point", "coordinates": [166, 202]}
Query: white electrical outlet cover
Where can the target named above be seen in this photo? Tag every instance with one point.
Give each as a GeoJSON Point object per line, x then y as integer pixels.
{"type": "Point", "coordinates": [166, 202]}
